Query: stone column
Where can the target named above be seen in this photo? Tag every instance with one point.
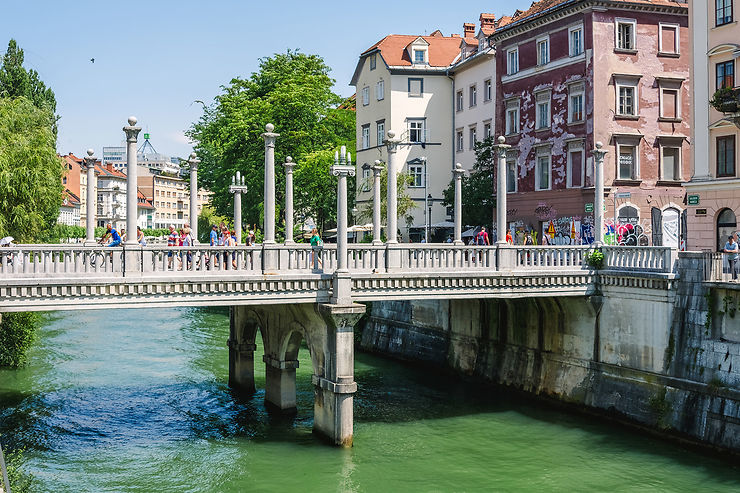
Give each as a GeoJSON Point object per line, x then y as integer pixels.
{"type": "Point", "coordinates": [599, 193]}
{"type": "Point", "coordinates": [91, 206]}
{"type": "Point", "coordinates": [132, 199]}
{"type": "Point", "coordinates": [458, 173]}
{"type": "Point", "coordinates": [392, 194]}
{"type": "Point", "coordinates": [241, 352]}
{"type": "Point", "coordinates": [377, 169]}
{"type": "Point", "coordinates": [342, 282]}
{"type": "Point", "coordinates": [193, 162]}
{"type": "Point", "coordinates": [289, 165]}
{"type": "Point", "coordinates": [280, 383]}
{"type": "Point", "coordinates": [269, 196]}
{"type": "Point", "coordinates": [501, 149]}
{"type": "Point", "coordinates": [237, 188]}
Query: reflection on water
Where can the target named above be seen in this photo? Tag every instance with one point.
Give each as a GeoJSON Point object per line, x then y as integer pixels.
{"type": "Point", "coordinates": [136, 400]}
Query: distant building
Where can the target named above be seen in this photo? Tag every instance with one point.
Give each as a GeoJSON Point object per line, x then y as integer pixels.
{"type": "Point", "coordinates": [111, 191]}
{"type": "Point", "coordinates": [146, 156]}
{"type": "Point", "coordinates": [171, 198]}
{"type": "Point", "coordinates": [69, 211]}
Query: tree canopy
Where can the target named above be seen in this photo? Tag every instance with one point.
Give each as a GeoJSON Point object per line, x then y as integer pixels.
{"type": "Point", "coordinates": [404, 203]}
{"type": "Point", "coordinates": [477, 188]}
{"type": "Point", "coordinates": [291, 90]}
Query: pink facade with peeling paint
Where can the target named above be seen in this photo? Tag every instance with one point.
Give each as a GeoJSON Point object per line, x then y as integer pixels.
{"type": "Point", "coordinates": [615, 75]}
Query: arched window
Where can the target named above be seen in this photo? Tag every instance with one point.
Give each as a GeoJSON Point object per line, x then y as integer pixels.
{"type": "Point", "coordinates": [670, 227]}
{"type": "Point", "coordinates": [726, 225]}
{"type": "Point", "coordinates": [628, 229]}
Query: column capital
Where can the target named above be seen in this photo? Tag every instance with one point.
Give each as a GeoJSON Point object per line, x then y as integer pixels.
{"type": "Point", "coordinates": [289, 165]}
{"type": "Point", "coordinates": [269, 135]}
{"type": "Point", "coordinates": [392, 142]}
{"type": "Point", "coordinates": [458, 171]}
{"type": "Point", "coordinates": [598, 152]}
{"type": "Point", "coordinates": [131, 130]}
{"type": "Point", "coordinates": [339, 170]}
{"type": "Point", "coordinates": [90, 160]}
{"type": "Point", "coordinates": [193, 162]}
{"type": "Point", "coordinates": [377, 167]}
{"type": "Point", "coordinates": [501, 147]}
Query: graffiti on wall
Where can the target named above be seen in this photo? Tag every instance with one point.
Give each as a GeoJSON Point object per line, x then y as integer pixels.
{"type": "Point", "coordinates": [631, 232]}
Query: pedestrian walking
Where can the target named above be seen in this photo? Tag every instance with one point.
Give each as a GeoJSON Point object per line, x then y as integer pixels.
{"type": "Point", "coordinates": [316, 245]}
{"type": "Point", "coordinates": [187, 240]}
{"type": "Point", "coordinates": [482, 237]}
{"type": "Point", "coordinates": [140, 236]}
{"type": "Point", "coordinates": [172, 239]}
{"type": "Point", "coordinates": [733, 252]}
{"type": "Point", "coordinates": [509, 239]}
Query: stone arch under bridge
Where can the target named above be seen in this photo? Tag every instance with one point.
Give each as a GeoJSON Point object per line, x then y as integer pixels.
{"type": "Point", "coordinates": [329, 334]}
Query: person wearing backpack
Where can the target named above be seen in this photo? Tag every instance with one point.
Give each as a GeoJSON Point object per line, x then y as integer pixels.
{"type": "Point", "coordinates": [482, 237]}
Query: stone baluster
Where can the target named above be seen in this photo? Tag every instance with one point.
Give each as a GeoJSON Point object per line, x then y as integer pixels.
{"type": "Point", "coordinates": [599, 193]}
{"type": "Point", "coordinates": [91, 206]}
{"type": "Point", "coordinates": [289, 165]}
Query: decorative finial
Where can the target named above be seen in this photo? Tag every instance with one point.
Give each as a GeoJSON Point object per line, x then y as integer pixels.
{"type": "Point", "coordinates": [233, 180]}
{"type": "Point", "coordinates": [343, 153]}
{"type": "Point", "coordinates": [458, 166]}
{"type": "Point", "coordinates": [90, 152]}
{"type": "Point", "coordinates": [599, 145]}
{"type": "Point", "coordinates": [238, 177]}
{"type": "Point", "coordinates": [132, 121]}
{"type": "Point", "coordinates": [501, 139]}
{"type": "Point", "coordinates": [336, 158]}
{"type": "Point", "coordinates": [391, 134]}
{"type": "Point", "coordinates": [349, 158]}
{"type": "Point", "coordinates": [288, 159]}
{"type": "Point", "coordinates": [377, 162]}
{"type": "Point", "coordinates": [244, 179]}
{"type": "Point", "coordinates": [269, 127]}
{"type": "Point", "coordinates": [193, 156]}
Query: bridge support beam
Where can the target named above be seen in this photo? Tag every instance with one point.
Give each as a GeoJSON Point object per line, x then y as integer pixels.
{"type": "Point", "coordinates": [241, 344]}
{"type": "Point", "coordinates": [280, 391]}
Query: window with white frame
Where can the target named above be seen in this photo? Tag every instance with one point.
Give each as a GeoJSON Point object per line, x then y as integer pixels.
{"type": "Point", "coordinates": [380, 90]}
{"type": "Point", "coordinates": [420, 56]}
{"type": "Point", "coordinates": [542, 109]}
{"type": "Point", "coordinates": [512, 61]}
{"type": "Point", "coordinates": [625, 34]}
{"type": "Point", "coordinates": [627, 97]}
{"type": "Point", "coordinates": [670, 162]}
{"type": "Point", "coordinates": [417, 130]}
{"type": "Point", "coordinates": [487, 90]}
{"type": "Point", "coordinates": [542, 172]}
{"type": "Point", "coordinates": [669, 107]}
{"type": "Point", "coordinates": [416, 172]}
{"type": "Point", "coordinates": [473, 95]}
{"type": "Point", "coordinates": [459, 141]}
{"type": "Point", "coordinates": [576, 164]}
{"type": "Point", "coordinates": [459, 101]}
{"type": "Point", "coordinates": [511, 172]}
{"type": "Point", "coordinates": [380, 131]}
{"type": "Point", "coordinates": [627, 160]}
{"type": "Point", "coordinates": [365, 96]}
{"type": "Point", "coordinates": [473, 130]}
{"type": "Point", "coordinates": [512, 117]}
{"type": "Point", "coordinates": [487, 130]}
{"type": "Point", "coordinates": [575, 102]}
{"type": "Point", "coordinates": [366, 136]}
{"type": "Point", "coordinates": [416, 87]}
{"type": "Point", "coordinates": [373, 61]}
{"type": "Point", "coordinates": [668, 40]}
{"type": "Point", "coordinates": [575, 41]}
{"type": "Point", "coordinates": [543, 51]}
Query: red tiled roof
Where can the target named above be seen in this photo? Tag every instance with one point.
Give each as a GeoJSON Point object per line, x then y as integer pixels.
{"type": "Point", "coordinates": [442, 49]}
{"type": "Point", "coordinates": [70, 198]}
{"type": "Point", "coordinates": [108, 171]}
{"type": "Point", "coordinates": [143, 202]}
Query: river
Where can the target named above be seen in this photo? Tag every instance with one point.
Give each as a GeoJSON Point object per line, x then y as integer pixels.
{"type": "Point", "coordinates": [137, 401]}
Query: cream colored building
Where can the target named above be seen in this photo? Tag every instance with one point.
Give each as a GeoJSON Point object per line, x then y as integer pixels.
{"type": "Point", "coordinates": [170, 197]}
{"type": "Point", "coordinates": [713, 194]}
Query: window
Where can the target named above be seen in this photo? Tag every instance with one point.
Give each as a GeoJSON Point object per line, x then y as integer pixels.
{"type": "Point", "coordinates": [512, 60]}
{"type": "Point", "coordinates": [473, 136]}
{"type": "Point", "coordinates": [416, 131]}
{"type": "Point", "coordinates": [487, 130]}
{"type": "Point", "coordinates": [373, 61]}
{"type": "Point", "coordinates": [669, 108]}
{"type": "Point", "coordinates": [416, 171]}
{"type": "Point", "coordinates": [726, 156]}
{"type": "Point", "coordinates": [419, 56]}
{"type": "Point", "coordinates": [542, 178]}
{"type": "Point", "coordinates": [575, 102]}
{"type": "Point", "coordinates": [473, 95]}
{"type": "Point", "coordinates": [543, 51]}
{"type": "Point", "coordinates": [380, 131]}
{"type": "Point", "coordinates": [459, 101]}
{"type": "Point", "coordinates": [416, 87]}
{"type": "Point", "coordinates": [626, 34]}
{"type": "Point", "coordinates": [670, 163]}
{"type": "Point", "coordinates": [365, 96]}
{"type": "Point", "coordinates": [459, 141]}
{"type": "Point", "coordinates": [487, 90]}
{"type": "Point", "coordinates": [724, 11]}
{"type": "Point", "coordinates": [64, 180]}
{"type": "Point", "coordinates": [511, 174]}
{"type": "Point", "coordinates": [380, 90]}
{"type": "Point", "coordinates": [543, 110]}
{"type": "Point", "coordinates": [575, 41]}
{"type": "Point", "coordinates": [512, 117]}
{"type": "Point", "coordinates": [575, 165]}
{"type": "Point", "coordinates": [366, 136]}
{"type": "Point", "coordinates": [626, 103]}
{"type": "Point", "coordinates": [725, 74]}
{"type": "Point", "coordinates": [627, 166]}
{"type": "Point", "coordinates": [668, 40]}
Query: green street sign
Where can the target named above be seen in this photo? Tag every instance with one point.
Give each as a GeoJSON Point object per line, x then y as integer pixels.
{"type": "Point", "coordinates": [146, 136]}
{"type": "Point", "coordinates": [589, 207]}
{"type": "Point", "coordinates": [693, 200]}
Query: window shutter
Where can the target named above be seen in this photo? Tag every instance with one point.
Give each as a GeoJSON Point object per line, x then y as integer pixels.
{"type": "Point", "coordinates": [657, 226]}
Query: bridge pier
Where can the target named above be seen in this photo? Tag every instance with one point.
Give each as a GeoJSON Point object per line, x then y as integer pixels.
{"type": "Point", "coordinates": [242, 333]}
{"type": "Point", "coordinates": [280, 391]}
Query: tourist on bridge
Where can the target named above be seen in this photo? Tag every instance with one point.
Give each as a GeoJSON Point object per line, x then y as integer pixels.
{"type": "Point", "coordinates": [509, 239]}
{"type": "Point", "coordinates": [316, 245]}
{"type": "Point", "coordinates": [140, 236]}
{"type": "Point", "coordinates": [482, 237]}
{"type": "Point", "coordinates": [214, 235]}
{"type": "Point", "coordinates": [733, 252]}
{"type": "Point", "coordinates": [172, 239]}
{"type": "Point", "coordinates": [187, 240]}
{"type": "Point", "coordinates": [111, 233]}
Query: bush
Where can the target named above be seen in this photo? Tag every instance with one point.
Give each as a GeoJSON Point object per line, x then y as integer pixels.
{"type": "Point", "coordinates": [20, 482]}
{"type": "Point", "coordinates": [595, 259]}
{"type": "Point", "coordinates": [17, 333]}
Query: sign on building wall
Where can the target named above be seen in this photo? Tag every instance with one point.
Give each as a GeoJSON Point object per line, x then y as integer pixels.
{"type": "Point", "coordinates": [693, 200]}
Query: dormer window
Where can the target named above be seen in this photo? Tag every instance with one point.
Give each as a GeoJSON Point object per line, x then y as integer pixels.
{"type": "Point", "coordinates": [419, 56]}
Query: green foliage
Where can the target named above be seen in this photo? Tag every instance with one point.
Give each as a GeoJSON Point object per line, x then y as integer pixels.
{"type": "Point", "coordinates": [61, 233]}
{"type": "Point", "coordinates": [17, 333]}
{"type": "Point", "coordinates": [30, 171]}
{"type": "Point", "coordinates": [292, 91]}
{"type": "Point", "coordinates": [206, 219]}
{"type": "Point", "coordinates": [595, 259]}
{"type": "Point", "coordinates": [404, 204]}
{"type": "Point", "coordinates": [20, 482]}
{"type": "Point", "coordinates": [17, 82]}
{"type": "Point", "coordinates": [725, 100]}
{"type": "Point", "coordinates": [477, 188]}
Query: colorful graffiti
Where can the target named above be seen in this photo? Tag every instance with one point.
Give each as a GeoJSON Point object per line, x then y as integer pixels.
{"type": "Point", "coordinates": [629, 233]}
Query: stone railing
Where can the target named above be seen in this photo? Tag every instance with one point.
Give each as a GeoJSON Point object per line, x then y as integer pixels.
{"type": "Point", "coordinates": [38, 261]}
{"type": "Point", "coordinates": [717, 268]}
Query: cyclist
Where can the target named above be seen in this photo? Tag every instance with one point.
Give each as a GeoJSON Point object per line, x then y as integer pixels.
{"type": "Point", "coordinates": [111, 232]}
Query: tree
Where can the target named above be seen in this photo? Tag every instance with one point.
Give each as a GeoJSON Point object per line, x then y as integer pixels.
{"type": "Point", "coordinates": [30, 171]}
{"type": "Point", "coordinates": [290, 90]}
{"type": "Point", "coordinates": [405, 202]}
{"type": "Point", "coordinates": [477, 188]}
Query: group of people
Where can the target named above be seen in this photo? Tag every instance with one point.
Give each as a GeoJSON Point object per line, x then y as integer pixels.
{"type": "Point", "coordinates": [113, 238]}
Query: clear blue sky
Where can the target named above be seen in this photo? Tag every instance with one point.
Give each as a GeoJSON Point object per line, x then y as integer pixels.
{"type": "Point", "coordinates": [154, 59]}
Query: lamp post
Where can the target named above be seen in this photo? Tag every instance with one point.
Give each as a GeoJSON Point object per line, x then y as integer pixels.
{"type": "Point", "coordinates": [91, 205]}
{"type": "Point", "coordinates": [599, 193]}
{"type": "Point", "coordinates": [132, 199]}
{"type": "Point", "coordinates": [193, 161]}
{"type": "Point", "coordinates": [289, 165]}
{"type": "Point", "coordinates": [458, 173]}
{"type": "Point", "coordinates": [238, 187]}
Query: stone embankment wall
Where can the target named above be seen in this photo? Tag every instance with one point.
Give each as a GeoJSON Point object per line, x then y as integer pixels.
{"type": "Point", "coordinates": [656, 356]}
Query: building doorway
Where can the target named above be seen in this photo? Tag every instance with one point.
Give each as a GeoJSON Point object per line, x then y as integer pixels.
{"type": "Point", "coordinates": [671, 218]}
{"type": "Point", "coordinates": [726, 225]}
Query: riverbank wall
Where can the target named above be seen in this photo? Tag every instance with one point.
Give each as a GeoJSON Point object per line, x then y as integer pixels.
{"type": "Point", "coordinates": [663, 354]}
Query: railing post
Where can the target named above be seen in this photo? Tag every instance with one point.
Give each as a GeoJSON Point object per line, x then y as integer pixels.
{"type": "Point", "coordinates": [506, 257]}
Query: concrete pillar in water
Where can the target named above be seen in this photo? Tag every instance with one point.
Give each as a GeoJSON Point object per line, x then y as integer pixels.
{"type": "Point", "coordinates": [92, 206]}
{"type": "Point", "coordinates": [280, 383]}
{"type": "Point", "coordinates": [241, 351]}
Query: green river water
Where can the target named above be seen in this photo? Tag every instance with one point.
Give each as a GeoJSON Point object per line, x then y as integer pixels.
{"type": "Point", "coordinates": [137, 401]}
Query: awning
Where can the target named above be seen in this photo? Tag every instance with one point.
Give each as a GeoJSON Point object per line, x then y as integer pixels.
{"type": "Point", "coordinates": [471, 232]}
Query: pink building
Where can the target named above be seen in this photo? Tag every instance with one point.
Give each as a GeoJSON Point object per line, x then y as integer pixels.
{"type": "Point", "coordinates": [574, 73]}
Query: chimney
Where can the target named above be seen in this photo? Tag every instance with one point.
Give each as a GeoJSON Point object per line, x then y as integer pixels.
{"type": "Point", "coordinates": [488, 21]}
{"type": "Point", "coordinates": [468, 29]}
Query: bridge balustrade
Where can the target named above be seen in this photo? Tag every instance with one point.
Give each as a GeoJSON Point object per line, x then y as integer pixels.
{"type": "Point", "coordinates": [654, 259]}
{"type": "Point", "coordinates": [551, 257]}
{"type": "Point", "coordinates": [202, 258]}
{"type": "Point", "coordinates": [57, 260]}
{"type": "Point", "coordinates": [445, 256]}
{"type": "Point", "coordinates": [717, 268]}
